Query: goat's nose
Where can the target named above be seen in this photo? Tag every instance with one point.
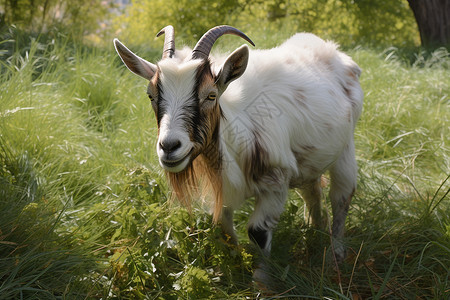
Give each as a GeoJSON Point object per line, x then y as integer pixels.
{"type": "Point", "coordinates": [170, 145]}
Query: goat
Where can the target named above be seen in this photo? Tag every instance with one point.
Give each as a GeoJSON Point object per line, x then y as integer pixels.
{"type": "Point", "coordinates": [255, 124]}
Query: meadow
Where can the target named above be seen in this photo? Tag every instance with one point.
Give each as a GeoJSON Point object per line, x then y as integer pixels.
{"type": "Point", "coordinates": [86, 212]}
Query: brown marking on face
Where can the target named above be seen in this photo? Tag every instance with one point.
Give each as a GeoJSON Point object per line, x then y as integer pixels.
{"type": "Point", "coordinates": [204, 116]}
{"type": "Point", "coordinates": [209, 111]}
{"type": "Point", "coordinates": [153, 85]}
{"type": "Point", "coordinates": [204, 70]}
{"type": "Point", "coordinates": [211, 152]}
{"type": "Point", "coordinates": [206, 81]}
{"type": "Point", "coordinates": [152, 88]}
{"type": "Point", "coordinates": [153, 91]}
{"type": "Point", "coordinates": [204, 174]}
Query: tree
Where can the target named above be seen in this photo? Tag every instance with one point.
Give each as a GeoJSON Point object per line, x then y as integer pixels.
{"type": "Point", "coordinates": [81, 16]}
{"type": "Point", "coordinates": [348, 22]}
{"type": "Point", "coordinates": [191, 18]}
{"type": "Point", "coordinates": [433, 20]}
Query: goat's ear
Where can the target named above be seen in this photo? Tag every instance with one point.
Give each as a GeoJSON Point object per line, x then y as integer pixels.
{"type": "Point", "coordinates": [134, 63]}
{"type": "Point", "coordinates": [233, 67]}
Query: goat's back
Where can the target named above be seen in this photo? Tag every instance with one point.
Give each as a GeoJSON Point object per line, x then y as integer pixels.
{"type": "Point", "coordinates": [303, 98]}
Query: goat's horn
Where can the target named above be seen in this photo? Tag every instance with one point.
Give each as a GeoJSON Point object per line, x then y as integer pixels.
{"type": "Point", "coordinates": [206, 42]}
{"type": "Point", "coordinates": [169, 41]}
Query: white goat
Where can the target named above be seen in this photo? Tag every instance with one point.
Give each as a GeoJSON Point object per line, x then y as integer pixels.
{"type": "Point", "coordinates": [256, 124]}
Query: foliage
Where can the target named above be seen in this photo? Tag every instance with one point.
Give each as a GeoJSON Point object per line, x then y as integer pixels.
{"type": "Point", "coordinates": [78, 17]}
{"type": "Point", "coordinates": [143, 19]}
{"type": "Point", "coordinates": [85, 211]}
{"type": "Point", "coordinates": [372, 23]}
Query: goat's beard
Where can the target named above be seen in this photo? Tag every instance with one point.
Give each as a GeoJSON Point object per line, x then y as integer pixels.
{"type": "Point", "coordinates": [184, 184]}
{"type": "Point", "coordinates": [200, 179]}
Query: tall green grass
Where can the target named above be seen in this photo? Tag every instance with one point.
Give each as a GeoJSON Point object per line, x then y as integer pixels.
{"type": "Point", "coordinates": [85, 211]}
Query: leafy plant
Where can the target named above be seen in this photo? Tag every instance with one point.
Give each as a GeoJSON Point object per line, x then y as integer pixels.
{"type": "Point", "coordinates": [86, 213]}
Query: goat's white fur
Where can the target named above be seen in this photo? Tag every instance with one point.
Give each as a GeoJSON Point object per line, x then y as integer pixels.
{"type": "Point", "coordinates": [302, 100]}
{"type": "Point", "coordinates": [302, 85]}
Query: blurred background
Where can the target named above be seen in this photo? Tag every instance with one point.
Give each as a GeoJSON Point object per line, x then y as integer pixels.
{"type": "Point", "coordinates": [85, 211]}
{"type": "Point", "coordinates": [349, 22]}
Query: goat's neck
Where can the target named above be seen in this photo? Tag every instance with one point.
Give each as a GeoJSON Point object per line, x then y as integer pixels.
{"type": "Point", "coordinates": [212, 156]}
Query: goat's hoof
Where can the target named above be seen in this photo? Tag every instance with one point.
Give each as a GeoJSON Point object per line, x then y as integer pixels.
{"type": "Point", "coordinates": [262, 279]}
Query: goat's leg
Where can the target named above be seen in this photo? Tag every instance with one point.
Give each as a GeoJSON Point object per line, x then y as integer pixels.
{"type": "Point", "coordinates": [228, 225]}
{"type": "Point", "coordinates": [343, 175]}
{"type": "Point", "coordinates": [268, 208]}
{"type": "Point", "coordinates": [314, 214]}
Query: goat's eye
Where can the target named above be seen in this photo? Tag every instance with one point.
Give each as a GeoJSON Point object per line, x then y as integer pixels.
{"type": "Point", "coordinates": [211, 96]}
{"type": "Point", "coordinates": [150, 97]}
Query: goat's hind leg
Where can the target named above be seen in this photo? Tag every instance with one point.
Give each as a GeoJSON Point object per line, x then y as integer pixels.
{"type": "Point", "coordinates": [343, 175]}
{"type": "Point", "coordinates": [315, 213]}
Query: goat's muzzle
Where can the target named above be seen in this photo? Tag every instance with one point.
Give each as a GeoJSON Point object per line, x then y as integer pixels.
{"type": "Point", "coordinates": [174, 154]}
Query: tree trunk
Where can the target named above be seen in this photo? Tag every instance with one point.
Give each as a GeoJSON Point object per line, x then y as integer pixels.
{"type": "Point", "coordinates": [433, 20]}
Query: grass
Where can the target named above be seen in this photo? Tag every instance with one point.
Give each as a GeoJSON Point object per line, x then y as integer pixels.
{"type": "Point", "coordinates": [85, 211]}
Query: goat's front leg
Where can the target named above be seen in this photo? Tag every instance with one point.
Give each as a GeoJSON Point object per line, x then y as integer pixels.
{"type": "Point", "coordinates": [268, 208]}
{"type": "Point", "coordinates": [228, 225]}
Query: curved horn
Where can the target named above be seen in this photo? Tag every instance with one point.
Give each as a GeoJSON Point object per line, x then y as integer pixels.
{"type": "Point", "coordinates": [169, 41]}
{"type": "Point", "coordinates": [206, 42]}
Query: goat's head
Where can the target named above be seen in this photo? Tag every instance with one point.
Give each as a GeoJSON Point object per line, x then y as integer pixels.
{"type": "Point", "coordinates": [185, 93]}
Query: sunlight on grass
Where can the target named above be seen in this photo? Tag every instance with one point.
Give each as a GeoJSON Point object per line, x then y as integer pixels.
{"type": "Point", "coordinates": [86, 211]}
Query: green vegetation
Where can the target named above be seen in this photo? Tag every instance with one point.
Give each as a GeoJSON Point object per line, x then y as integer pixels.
{"type": "Point", "coordinates": [374, 23]}
{"type": "Point", "coordinates": [77, 17]}
{"type": "Point", "coordinates": [85, 209]}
